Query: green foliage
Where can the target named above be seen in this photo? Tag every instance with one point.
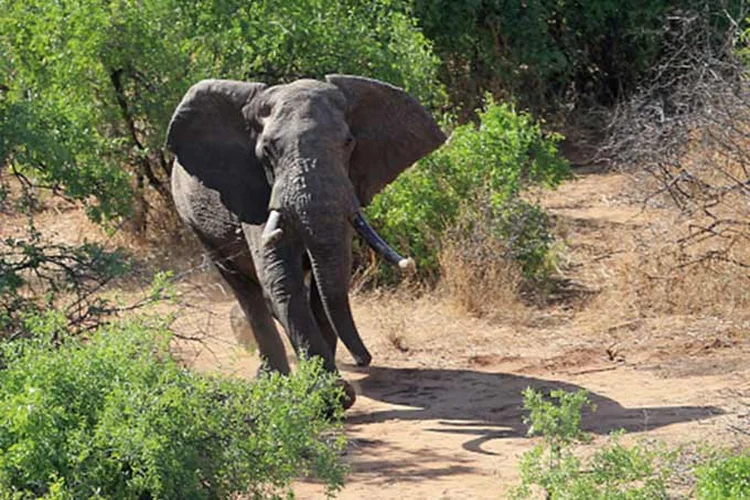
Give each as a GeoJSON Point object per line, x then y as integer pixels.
{"type": "Point", "coordinates": [556, 418]}
{"type": "Point", "coordinates": [744, 49]}
{"type": "Point", "coordinates": [117, 417]}
{"type": "Point", "coordinates": [87, 87]}
{"type": "Point", "coordinates": [614, 471]}
{"type": "Point", "coordinates": [547, 53]}
{"type": "Point", "coordinates": [724, 478]}
{"type": "Point", "coordinates": [281, 40]}
{"type": "Point", "coordinates": [478, 176]}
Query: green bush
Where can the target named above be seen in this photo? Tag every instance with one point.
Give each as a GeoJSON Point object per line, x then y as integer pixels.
{"type": "Point", "coordinates": [479, 176]}
{"type": "Point", "coordinates": [744, 48]}
{"type": "Point", "coordinates": [614, 471]}
{"type": "Point", "coordinates": [725, 478]}
{"type": "Point", "coordinates": [117, 417]}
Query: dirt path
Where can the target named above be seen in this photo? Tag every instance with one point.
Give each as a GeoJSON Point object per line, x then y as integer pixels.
{"type": "Point", "coordinates": [439, 411]}
{"type": "Point", "coordinates": [440, 421]}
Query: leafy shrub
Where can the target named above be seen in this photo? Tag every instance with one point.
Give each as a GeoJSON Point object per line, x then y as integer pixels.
{"type": "Point", "coordinates": [725, 478]}
{"type": "Point", "coordinates": [87, 87]}
{"type": "Point", "coordinates": [117, 417]}
{"type": "Point", "coordinates": [614, 471]}
{"type": "Point", "coordinates": [556, 418]}
{"type": "Point", "coordinates": [477, 177]}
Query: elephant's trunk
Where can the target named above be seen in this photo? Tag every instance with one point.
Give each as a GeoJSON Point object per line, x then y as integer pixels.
{"type": "Point", "coordinates": [331, 266]}
{"type": "Point", "coordinates": [379, 245]}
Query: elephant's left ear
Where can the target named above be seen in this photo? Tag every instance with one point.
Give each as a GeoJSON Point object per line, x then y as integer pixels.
{"type": "Point", "coordinates": [209, 128]}
{"type": "Point", "coordinates": [391, 128]}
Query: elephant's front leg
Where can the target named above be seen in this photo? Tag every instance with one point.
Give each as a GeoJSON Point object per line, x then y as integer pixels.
{"type": "Point", "coordinates": [282, 277]}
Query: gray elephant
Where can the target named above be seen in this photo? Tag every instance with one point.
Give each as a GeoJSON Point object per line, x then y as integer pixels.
{"type": "Point", "coordinates": [272, 179]}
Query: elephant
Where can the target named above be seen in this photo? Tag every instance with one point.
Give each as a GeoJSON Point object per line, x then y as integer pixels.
{"type": "Point", "coordinates": [272, 180]}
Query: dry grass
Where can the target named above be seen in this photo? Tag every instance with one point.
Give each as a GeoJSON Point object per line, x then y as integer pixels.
{"type": "Point", "coordinates": [670, 277]}
{"type": "Point", "coordinates": [642, 268]}
{"type": "Point", "coordinates": [479, 280]}
{"type": "Point", "coordinates": [696, 258]}
{"type": "Point", "coordinates": [392, 311]}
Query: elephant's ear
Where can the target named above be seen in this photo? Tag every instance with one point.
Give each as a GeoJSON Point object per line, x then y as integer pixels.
{"type": "Point", "coordinates": [391, 128]}
{"type": "Point", "coordinates": [208, 129]}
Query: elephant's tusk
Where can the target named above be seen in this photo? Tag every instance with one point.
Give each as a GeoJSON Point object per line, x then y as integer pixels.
{"type": "Point", "coordinates": [272, 232]}
{"type": "Point", "coordinates": [379, 245]}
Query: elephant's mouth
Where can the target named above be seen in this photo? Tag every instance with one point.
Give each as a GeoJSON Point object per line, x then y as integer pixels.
{"type": "Point", "coordinates": [272, 232]}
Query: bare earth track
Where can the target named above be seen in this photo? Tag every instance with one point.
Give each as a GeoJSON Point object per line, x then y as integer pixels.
{"type": "Point", "coordinates": [439, 415]}
{"type": "Point", "coordinates": [439, 411]}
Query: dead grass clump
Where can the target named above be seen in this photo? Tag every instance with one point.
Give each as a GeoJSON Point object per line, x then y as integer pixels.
{"type": "Point", "coordinates": [479, 278]}
{"type": "Point", "coordinates": [700, 278]}
{"type": "Point", "coordinates": [392, 312]}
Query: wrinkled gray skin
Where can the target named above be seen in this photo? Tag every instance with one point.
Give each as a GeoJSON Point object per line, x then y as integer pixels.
{"type": "Point", "coordinates": [312, 151]}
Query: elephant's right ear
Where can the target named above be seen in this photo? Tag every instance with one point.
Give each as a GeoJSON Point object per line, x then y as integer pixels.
{"type": "Point", "coordinates": [208, 129]}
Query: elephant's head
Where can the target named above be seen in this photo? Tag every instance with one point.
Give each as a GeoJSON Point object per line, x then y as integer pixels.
{"type": "Point", "coordinates": [326, 149]}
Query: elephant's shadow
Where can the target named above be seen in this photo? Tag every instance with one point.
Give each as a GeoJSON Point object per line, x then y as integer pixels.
{"type": "Point", "coordinates": [487, 406]}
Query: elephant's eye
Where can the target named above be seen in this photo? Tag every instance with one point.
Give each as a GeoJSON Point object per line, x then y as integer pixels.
{"type": "Point", "coordinates": [349, 142]}
{"type": "Point", "coordinates": [264, 111]}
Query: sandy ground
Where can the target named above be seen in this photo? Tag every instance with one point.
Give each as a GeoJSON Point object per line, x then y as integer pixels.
{"type": "Point", "coordinates": [441, 420]}
{"type": "Point", "coordinates": [439, 414]}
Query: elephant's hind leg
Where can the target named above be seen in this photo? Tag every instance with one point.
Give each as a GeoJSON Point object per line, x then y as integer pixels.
{"type": "Point", "coordinates": [259, 321]}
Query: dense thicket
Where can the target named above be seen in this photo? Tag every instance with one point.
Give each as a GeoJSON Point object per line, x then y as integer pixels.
{"type": "Point", "coordinates": [549, 54]}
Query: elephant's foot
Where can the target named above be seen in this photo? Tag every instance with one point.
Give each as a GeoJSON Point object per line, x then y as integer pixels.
{"type": "Point", "coordinates": [346, 400]}
{"type": "Point", "coordinates": [350, 396]}
{"type": "Point", "coordinates": [364, 360]}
